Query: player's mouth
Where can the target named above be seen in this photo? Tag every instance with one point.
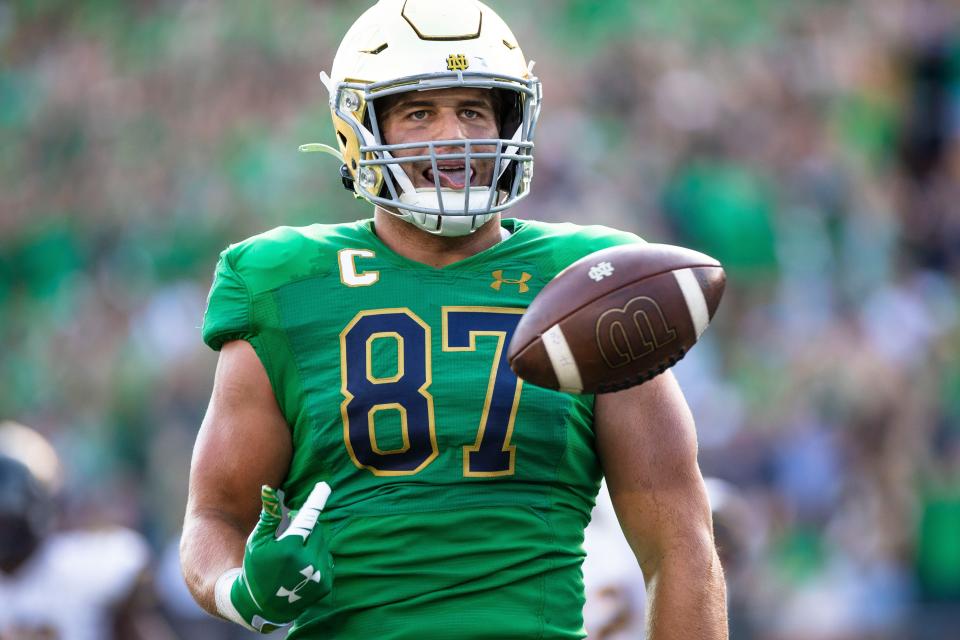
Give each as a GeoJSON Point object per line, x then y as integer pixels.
{"type": "Point", "coordinates": [452, 175]}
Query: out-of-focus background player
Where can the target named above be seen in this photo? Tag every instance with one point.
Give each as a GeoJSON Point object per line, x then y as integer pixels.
{"type": "Point", "coordinates": [811, 146]}
{"type": "Point", "coordinates": [59, 584]}
{"type": "Point", "coordinates": [616, 599]}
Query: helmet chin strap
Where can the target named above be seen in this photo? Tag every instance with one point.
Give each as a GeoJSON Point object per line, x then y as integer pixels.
{"type": "Point", "coordinates": [510, 150]}
{"type": "Point", "coordinates": [455, 200]}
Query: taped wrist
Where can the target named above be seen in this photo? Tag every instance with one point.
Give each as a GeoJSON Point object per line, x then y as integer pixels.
{"type": "Point", "coordinates": [235, 603]}
{"type": "Point", "coordinates": [225, 606]}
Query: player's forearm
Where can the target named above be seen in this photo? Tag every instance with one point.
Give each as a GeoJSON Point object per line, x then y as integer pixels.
{"type": "Point", "coordinates": [687, 597]}
{"type": "Point", "coordinates": [212, 543]}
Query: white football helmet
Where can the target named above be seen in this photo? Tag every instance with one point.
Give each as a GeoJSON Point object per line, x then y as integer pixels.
{"type": "Point", "coordinates": [422, 45]}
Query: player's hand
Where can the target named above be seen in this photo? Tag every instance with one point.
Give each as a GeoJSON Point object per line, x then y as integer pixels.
{"type": "Point", "coordinates": [284, 575]}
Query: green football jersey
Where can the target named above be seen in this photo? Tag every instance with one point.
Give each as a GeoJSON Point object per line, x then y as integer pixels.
{"type": "Point", "coordinates": [460, 493]}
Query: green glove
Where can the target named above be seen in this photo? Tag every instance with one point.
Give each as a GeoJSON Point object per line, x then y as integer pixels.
{"type": "Point", "coordinates": [282, 576]}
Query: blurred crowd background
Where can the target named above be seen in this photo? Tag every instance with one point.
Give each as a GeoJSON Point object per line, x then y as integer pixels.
{"type": "Point", "coordinates": [813, 146]}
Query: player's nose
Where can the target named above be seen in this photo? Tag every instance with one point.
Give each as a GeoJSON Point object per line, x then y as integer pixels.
{"type": "Point", "coordinates": [450, 127]}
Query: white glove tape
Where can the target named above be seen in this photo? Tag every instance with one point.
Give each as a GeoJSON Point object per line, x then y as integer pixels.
{"type": "Point", "coordinates": [222, 595]}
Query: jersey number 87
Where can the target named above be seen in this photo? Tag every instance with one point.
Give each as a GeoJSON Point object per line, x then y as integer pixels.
{"type": "Point", "coordinates": [407, 392]}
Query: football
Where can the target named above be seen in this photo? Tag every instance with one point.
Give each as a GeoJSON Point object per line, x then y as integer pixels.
{"type": "Point", "coordinates": [616, 318]}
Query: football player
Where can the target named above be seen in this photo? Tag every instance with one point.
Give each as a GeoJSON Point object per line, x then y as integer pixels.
{"type": "Point", "coordinates": [57, 584]}
{"type": "Point", "coordinates": [369, 359]}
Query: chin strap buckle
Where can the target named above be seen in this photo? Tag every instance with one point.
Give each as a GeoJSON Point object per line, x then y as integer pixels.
{"type": "Point", "coordinates": [346, 178]}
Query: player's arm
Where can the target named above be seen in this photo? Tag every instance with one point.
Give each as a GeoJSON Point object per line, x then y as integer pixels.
{"type": "Point", "coordinates": [243, 443]}
{"type": "Point", "coordinates": [648, 448]}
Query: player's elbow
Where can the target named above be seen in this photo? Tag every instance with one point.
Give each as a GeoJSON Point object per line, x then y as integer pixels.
{"type": "Point", "coordinates": [190, 560]}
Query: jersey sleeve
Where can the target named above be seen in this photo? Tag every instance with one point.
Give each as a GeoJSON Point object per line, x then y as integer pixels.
{"type": "Point", "coordinates": [590, 239]}
{"type": "Point", "coordinates": [228, 314]}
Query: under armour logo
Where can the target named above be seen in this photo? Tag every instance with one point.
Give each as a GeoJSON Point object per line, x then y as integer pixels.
{"type": "Point", "coordinates": [499, 281]}
{"type": "Point", "coordinates": [457, 62]}
{"type": "Point", "coordinates": [309, 575]}
{"type": "Point", "coordinates": [600, 271]}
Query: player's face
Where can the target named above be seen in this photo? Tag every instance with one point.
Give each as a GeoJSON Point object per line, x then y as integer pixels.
{"type": "Point", "coordinates": [442, 114]}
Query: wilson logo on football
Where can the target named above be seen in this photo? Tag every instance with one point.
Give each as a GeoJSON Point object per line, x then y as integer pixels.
{"type": "Point", "coordinates": [457, 62]}
{"type": "Point", "coordinates": [627, 334]}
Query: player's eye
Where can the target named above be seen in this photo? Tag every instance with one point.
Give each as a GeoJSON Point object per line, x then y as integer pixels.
{"type": "Point", "coordinates": [470, 114]}
{"type": "Point", "coordinates": [418, 115]}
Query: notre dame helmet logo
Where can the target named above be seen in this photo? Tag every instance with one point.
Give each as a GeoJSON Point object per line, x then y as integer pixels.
{"type": "Point", "coordinates": [629, 333]}
{"type": "Point", "coordinates": [457, 62]}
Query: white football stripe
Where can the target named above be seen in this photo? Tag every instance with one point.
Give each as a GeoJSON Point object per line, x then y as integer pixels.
{"type": "Point", "coordinates": [696, 303]}
{"type": "Point", "coordinates": [564, 366]}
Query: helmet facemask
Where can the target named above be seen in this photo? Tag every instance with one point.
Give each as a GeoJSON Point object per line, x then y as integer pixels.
{"type": "Point", "coordinates": [378, 170]}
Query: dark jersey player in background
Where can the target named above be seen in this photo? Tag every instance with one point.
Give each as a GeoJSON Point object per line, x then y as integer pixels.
{"type": "Point", "coordinates": [366, 362]}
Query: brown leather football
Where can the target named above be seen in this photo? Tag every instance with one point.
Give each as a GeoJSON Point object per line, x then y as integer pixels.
{"type": "Point", "coordinates": [617, 318]}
